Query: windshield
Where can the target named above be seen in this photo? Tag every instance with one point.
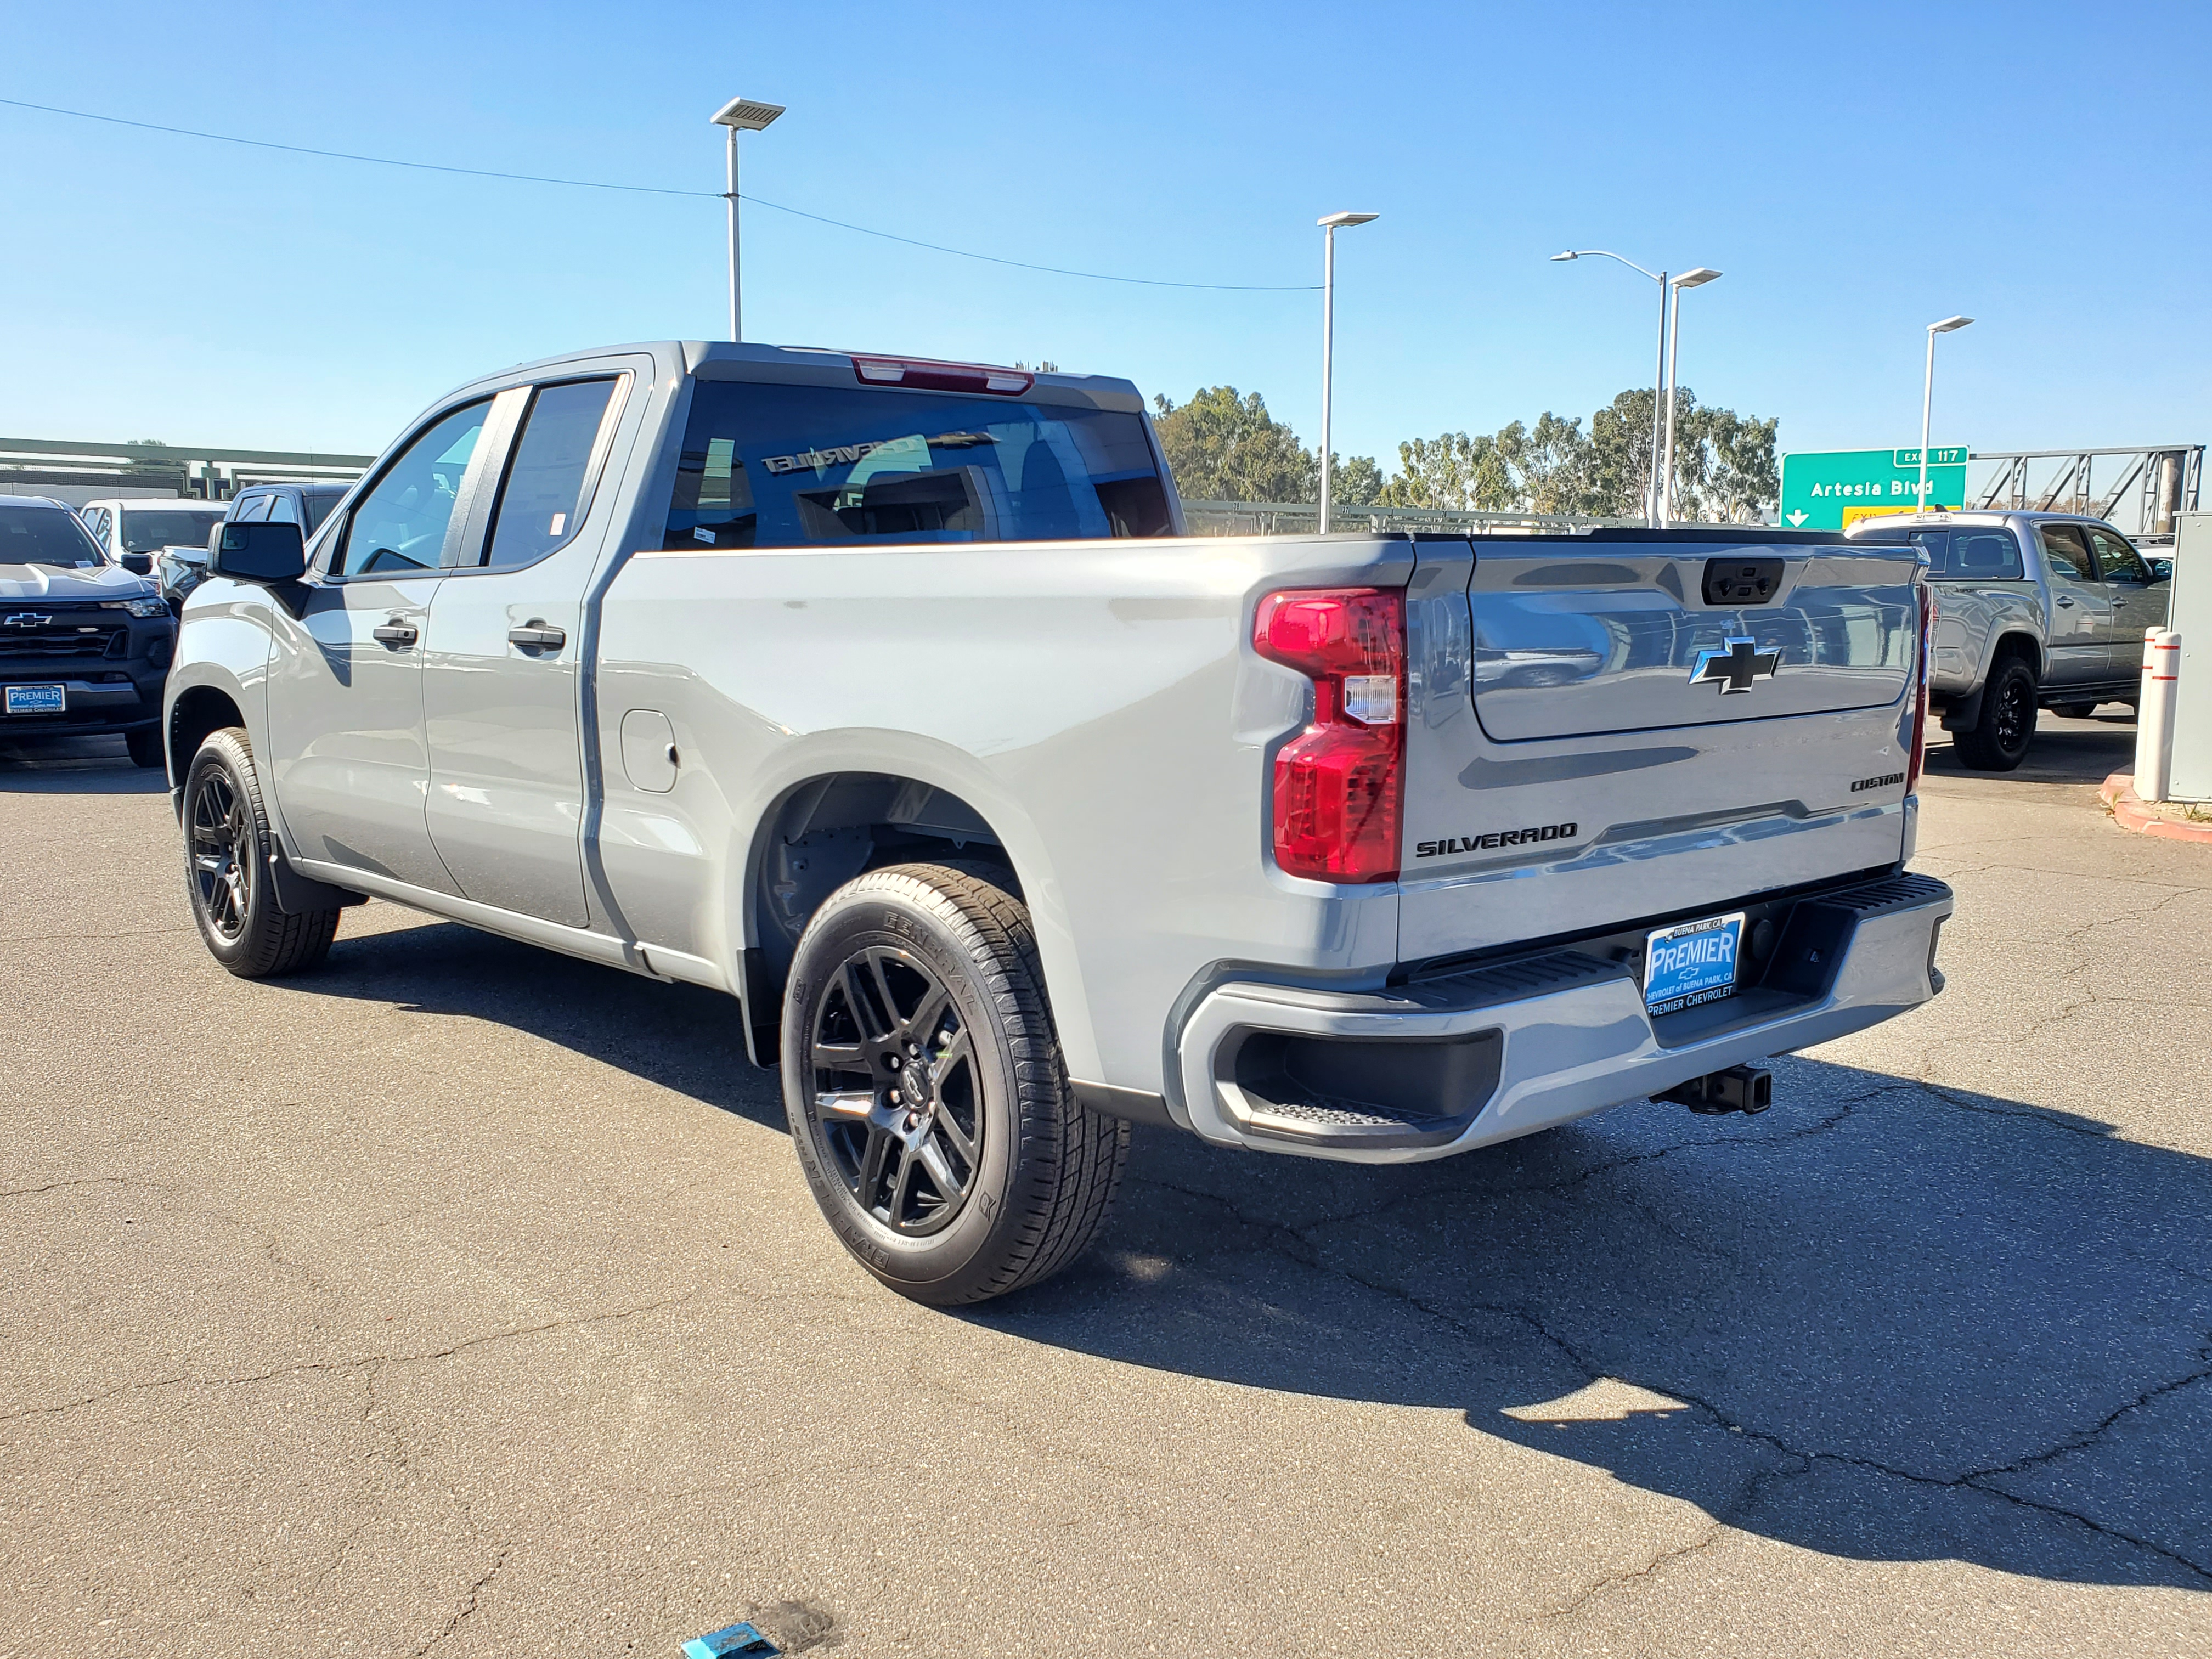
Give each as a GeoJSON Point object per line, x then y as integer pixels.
{"type": "Point", "coordinates": [45, 535]}
{"type": "Point", "coordinates": [148, 529]}
{"type": "Point", "coordinates": [788, 465]}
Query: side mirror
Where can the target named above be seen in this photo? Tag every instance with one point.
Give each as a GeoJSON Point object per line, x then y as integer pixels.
{"type": "Point", "coordinates": [138, 564]}
{"type": "Point", "coordinates": [2161, 570]}
{"type": "Point", "coordinates": [262, 552]}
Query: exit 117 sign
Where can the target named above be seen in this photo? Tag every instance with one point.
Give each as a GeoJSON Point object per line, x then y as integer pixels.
{"type": "Point", "coordinates": [1828, 489]}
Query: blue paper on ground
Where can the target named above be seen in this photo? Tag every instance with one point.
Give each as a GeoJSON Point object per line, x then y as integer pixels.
{"type": "Point", "coordinates": [736, 1642]}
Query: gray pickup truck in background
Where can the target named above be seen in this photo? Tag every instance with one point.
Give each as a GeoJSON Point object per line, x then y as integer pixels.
{"type": "Point", "coordinates": [2033, 611]}
{"type": "Point", "coordinates": [888, 696]}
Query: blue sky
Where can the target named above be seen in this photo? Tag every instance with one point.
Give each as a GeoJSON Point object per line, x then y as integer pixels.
{"type": "Point", "coordinates": [1855, 170]}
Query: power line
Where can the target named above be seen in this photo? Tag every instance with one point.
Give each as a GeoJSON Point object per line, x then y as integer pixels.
{"type": "Point", "coordinates": [654, 189]}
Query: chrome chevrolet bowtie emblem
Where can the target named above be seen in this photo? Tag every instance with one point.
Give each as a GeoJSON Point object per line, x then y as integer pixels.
{"type": "Point", "coordinates": [1736, 665]}
{"type": "Point", "coordinates": [27, 619]}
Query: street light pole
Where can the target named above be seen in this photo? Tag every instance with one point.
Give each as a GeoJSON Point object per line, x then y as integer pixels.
{"type": "Point", "coordinates": [1651, 504]}
{"type": "Point", "coordinates": [740, 115]}
{"type": "Point", "coordinates": [1328, 224]}
{"type": "Point", "coordinates": [1928, 400]}
{"type": "Point", "coordinates": [1697, 278]}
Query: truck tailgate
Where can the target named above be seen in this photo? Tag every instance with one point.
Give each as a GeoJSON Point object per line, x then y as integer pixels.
{"type": "Point", "coordinates": [1651, 727]}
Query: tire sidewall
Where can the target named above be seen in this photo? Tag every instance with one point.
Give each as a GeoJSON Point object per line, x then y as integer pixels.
{"type": "Point", "coordinates": [2013, 669]}
{"type": "Point", "coordinates": [940, 1266]}
{"type": "Point", "coordinates": [225, 753]}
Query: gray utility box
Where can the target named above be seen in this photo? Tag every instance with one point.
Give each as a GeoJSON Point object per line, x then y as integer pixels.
{"type": "Point", "coordinates": [2191, 617]}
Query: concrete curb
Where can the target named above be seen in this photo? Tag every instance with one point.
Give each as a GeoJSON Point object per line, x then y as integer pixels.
{"type": "Point", "coordinates": [2130, 812]}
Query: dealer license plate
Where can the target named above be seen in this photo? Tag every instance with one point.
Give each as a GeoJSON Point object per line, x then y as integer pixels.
{"type": "Point", "coordinates": [1692, 961]}
{"type": "Point", "coordinates": [36, 700]}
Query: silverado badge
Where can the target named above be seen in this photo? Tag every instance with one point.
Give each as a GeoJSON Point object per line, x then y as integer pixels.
{"type": "Point", "coordinates": [1736, 665]}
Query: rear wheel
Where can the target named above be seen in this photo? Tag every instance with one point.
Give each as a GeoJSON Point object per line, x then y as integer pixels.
{"type": "Point", "coordinates": [928, 1099]}
{"type": "Point", "coordinates": [1997, 742]}
{"type": "Point", "coordinates": [227, 846]}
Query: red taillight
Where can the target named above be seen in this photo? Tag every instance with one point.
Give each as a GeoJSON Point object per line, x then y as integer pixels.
{"type": "Point", "coordinates": [1340, 783]}
{"type": "Point", "coordinates": [927, 376]}
{"type": "Point", "coordinates": [1920, 692]}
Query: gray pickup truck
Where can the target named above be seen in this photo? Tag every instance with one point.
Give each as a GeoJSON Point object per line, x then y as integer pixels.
{"type": "Point", "coordinates": [888, 697]}
{"type": "Point", "coordinates": [2033, 611]}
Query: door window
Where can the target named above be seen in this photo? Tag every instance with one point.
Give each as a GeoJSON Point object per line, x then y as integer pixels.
{"type": "Point", "coordinates": [97, 523]}
{"type": "Point", "coordinates": [549, 481]}
{"type": "Point", "coordinates": [281, 510]}
{"type": "Point", "coordinates": [398, 528]}
{"type": "Point", "coordinates": [2067, 552]}
{"type": "Point", "coordinates": [253, 510]}
{"type": "Point", "coordinates": [2117, 561]}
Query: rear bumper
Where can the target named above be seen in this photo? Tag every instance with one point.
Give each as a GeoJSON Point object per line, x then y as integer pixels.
{"type": "Point", "coordinates": [1425, 1070]}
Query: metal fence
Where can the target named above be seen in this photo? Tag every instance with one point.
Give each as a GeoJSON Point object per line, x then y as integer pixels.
{"type": "Point", "coordinates": [213, 475]}
{"type": "Point", "coordinates": [1294, 518]}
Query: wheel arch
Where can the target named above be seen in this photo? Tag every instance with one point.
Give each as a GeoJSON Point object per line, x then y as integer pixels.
{"type": "Point", "coordinates": [2016, 642]}
{"type": "Point", "coordinates": [195, 713]}
{"type": "Point", "coordinates": [819, 830]}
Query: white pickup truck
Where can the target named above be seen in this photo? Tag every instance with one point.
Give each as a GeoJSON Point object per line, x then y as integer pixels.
{"type": "Point", "coordinates": [888, 696]}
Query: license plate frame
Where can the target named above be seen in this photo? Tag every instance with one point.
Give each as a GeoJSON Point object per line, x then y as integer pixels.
{"type": "Point", "coordinates": [50, 697]}
{"type": "Point", "coordinates": [1693, 962]}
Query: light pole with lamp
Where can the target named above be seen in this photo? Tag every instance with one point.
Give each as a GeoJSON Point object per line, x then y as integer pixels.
{"type": "Point", "coordinates": [740, 115]}
{"type": "Point", "coordinates": [1949, 325]}
{"type": "Point", "coordinates": [1697, 278]}
{"type": "Point", "coordinates": [1328, 225]}
{"type": "Point", "coordinates": [1658, 371]}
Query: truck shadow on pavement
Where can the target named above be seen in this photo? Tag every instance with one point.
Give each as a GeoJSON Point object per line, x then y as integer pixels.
{"type": "Point", "coordinates": [75, 766]}
{"type": "Point", "coordinates": [1882, 1320]}
{"type": "Point", "coordinates": [2065, 751]}
{"type": "Point", "coordinates": [1879, 1321]}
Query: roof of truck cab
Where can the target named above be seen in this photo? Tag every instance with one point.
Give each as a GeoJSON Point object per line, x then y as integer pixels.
{"type": "Point", "coordinates": [1903, 524]}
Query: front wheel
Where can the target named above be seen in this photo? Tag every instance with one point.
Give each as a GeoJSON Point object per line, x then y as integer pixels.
{"type": "Point", "coordinates": [926, 1094]}
{"type": "Point", "coordinates": [227, 846]}
{"type": "Point", "coordinates": [1997, 742]}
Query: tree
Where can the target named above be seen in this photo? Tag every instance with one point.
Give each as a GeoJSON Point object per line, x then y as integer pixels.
{"type": "Point", "coordinates": [1357, 481]}
{"type": "Point", "coordinates": [1451, 471]}
{"type": "Point", "coordinates": [1737, 478]}
{"type": "Point", "coordinates": [1224, 447]}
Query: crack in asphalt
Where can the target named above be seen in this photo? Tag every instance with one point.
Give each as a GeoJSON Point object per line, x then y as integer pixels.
{"type": "Point", "coordinates": [308, 1366]}
{"type": "Point", "coordinates": [476, 1591]}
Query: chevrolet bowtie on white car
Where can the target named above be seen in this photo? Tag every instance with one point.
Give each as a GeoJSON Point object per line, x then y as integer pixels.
{"type": "Point", "coordinates": [888, 696]}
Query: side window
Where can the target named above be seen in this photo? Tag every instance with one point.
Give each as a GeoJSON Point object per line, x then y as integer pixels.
{"type": "Point", "coordinates": [251, 510]}
{"type": "Point", "coordinates": [2117, 561]}
{"type": "Point", "coordinates": [1988, 556]}
{"type": "Point", "coordinates": [398, 528]}
{"type": "Point", "coordinates": [98, 523]}
{"type": "Point", "coordinates": [2066, 551]}
{"type": "Point", "coordinates": [544, 501]}
{"type": "Point", "coordinates": [281, 511]}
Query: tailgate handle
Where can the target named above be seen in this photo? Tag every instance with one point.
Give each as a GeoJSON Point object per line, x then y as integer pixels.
{"type": "Point", "coordinates": [1742, 582]}
{"type": "Point", "coordinates": [538, 635]}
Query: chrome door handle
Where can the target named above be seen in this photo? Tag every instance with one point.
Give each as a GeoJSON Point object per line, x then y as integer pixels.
{"type": "Point", "coordinates": [2064, 600]}
{"type": "Point", "coordinates": [394, 632]}
{"type": "Point", "coordinates": [538, 634]}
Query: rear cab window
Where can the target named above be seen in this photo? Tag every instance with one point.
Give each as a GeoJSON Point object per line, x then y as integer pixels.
{"type": "Point", "coordinates": [779, 465]}
{"type": "Point", "coordinates": [1971, 553]}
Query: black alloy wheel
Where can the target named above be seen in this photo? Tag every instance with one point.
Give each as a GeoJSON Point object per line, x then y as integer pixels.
{"type": "Point", "coordinates": [227, 850]}
{"type": "Point", "coordinates": [221, 854]}
{"type": "Point", "coordinates": [928, 1100]}
{"type": "Point", "coordinates": [895, 1090]}
{"type": "Point", "coordinates": [1999, 739]}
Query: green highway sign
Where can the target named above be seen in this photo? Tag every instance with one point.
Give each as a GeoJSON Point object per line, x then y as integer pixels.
{"type": "Point", "coordinates": [1828, 489]}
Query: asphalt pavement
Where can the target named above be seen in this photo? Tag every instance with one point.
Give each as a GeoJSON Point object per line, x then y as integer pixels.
{"type": "Point", "coordinates": [461, 1299]}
